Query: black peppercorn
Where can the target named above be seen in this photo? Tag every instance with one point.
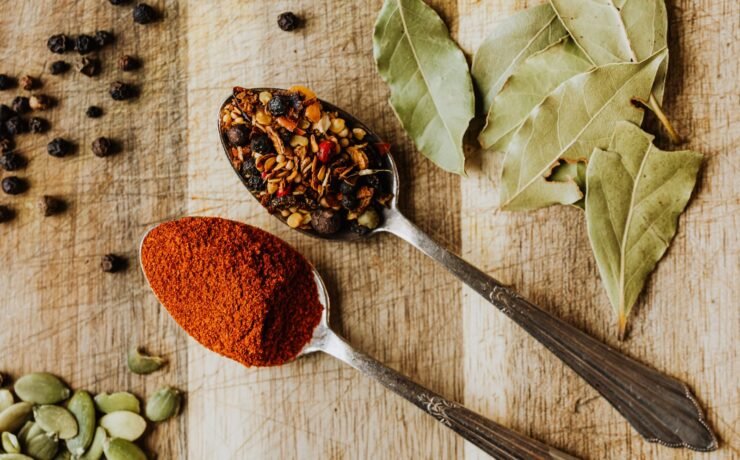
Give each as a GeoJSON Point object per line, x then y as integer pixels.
{"type": "Point", "coordinates": [59, 43]}
{"type": "Point", "coordinates": [16, 125]}
{"type": "Point", "coordinates": [94, 112]}
{"type": "Point", "coordinates": [288, 21]}
{"type": "Point", "coordinates": [121, 91]}
{"type": "Point", "coordinates": [59, 147]}
{"type": "Point", "coordinates": [102, 147]}
{"type": "Point", "coordinates": [21, 105]}
{"type": "Point", "coordinates": [28, 82]}
{"type": "Point", "coordinates": [11, 161]}
{"type": "Point", "coordinates": [261, 143]}
{"type": "Point", "coordinates": [85, 44]}
{"type": "Point", "coordinates": [238, 135]}
{"type": "Point", "coordinates": [249, 168]}
{"type": "Point", "coordinates": [58, 67]}
{"type": "Point", "coordinates": [90, 66]}
{"type": "Point", "coordinates": [326, 221]}
{"type": "Point", "coordinates": [13, 185]}
{"type": "Point", "coordinates": [6, 143]}
{"type": "Point", "coordinates": [277, 106]}
{"type": "Point", "coordinates": [103, 38]}
{"type": "Point", "coordinates": [128, 63]}
{"type": "Point", "coordinates": [6, 214]}
{"type": "Point", "coordinates": [144, 14]}
{"type": "Point", "coordinates": [118, 2]}
{"type": "Point", "coordinates": [359, 229]}
{"type": "Point", "coordinates": [346, 188]}
{"type": "Point", "coordinates": [38, 125]}
{"type": "Point", "coordinates": [285, 135]}
{"type": "Point", "coordinates": [111, 263]}
{"type": "Point", "coordinates": [255, 183]}
{"type": "Point", "coordinates": [6, 113]}
{"type": "Point", "coordinates": [349, 201]}
{"type": "Point", "coordinates": [6, 82]}
{"type": "Point", "coordinates": [49, 205]}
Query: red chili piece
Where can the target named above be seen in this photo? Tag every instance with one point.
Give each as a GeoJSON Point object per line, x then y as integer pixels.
{"type": "Point", "coordinates": [326, 150]}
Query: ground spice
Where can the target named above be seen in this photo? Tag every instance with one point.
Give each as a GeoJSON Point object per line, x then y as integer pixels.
{"type": "Point", "coordinates": [236, 289]}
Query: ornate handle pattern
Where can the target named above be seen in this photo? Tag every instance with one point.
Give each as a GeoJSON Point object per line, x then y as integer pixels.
{"type": "Point", "coordinates": [662, 409]}
{"type": "Point", "coordinates": [492, 438]}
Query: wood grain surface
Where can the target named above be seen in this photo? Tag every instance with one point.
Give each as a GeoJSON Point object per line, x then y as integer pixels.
{"type": "Point", "coordinates": [60, 313]}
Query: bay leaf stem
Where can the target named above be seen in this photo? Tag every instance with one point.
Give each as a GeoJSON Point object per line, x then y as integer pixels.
{"type": "Point", "coordinates": [655, 107]}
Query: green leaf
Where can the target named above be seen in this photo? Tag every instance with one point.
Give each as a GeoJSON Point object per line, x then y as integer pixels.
{"type": "Point", "coordinates": [520, 36]}
{"type": "Point", "coordinates": [573, 120]}
{"type": "Point", "coordinates": [431, 88]}
{"type": "Point", "coordinates": [635, 193]}
{"type": "Point", "coordinates": [528, 85]}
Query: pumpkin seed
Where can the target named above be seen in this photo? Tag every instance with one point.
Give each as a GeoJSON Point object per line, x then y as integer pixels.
{"type": "Point", "coordinates": [107, 403]}
{"type": "Point", "coordinates": [15, 416]}
{"type": "Point", "coordinates": [41, 388]}
{"type": "Point", "coordinates": [57, 420]}
{"type": "Point", "coordinates": [121, 449]}
{"type": "Point", "coordinates": [29, 430]}
{"type": "Point", "coordinates": [83, 409]}
{"type": "Point", "coordinates": [63, 455]}
{"type": "Point", "coordinates": [163, 404]}
{"type": "Point", "coordinates": [10, 443]}
{"type": "Point", "coordinates": [139, 363]}
{"type": "Point", "coordinates": [95, 451]}
{"type": "Point", "coordinates": [43, 446]}
{"type": "Point", "coordinates": [124, 424]}
{"type": "Point", "coordinates": [14, 457]}
{"type": "Point", "coordinates": [6, 399]}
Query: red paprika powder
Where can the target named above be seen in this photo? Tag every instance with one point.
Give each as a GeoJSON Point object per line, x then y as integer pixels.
{"type": "Point", "coordinates": [236, 289]}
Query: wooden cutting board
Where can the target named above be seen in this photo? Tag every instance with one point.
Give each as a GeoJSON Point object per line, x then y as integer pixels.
{"type": "Point", "coordinates": [60, 313]}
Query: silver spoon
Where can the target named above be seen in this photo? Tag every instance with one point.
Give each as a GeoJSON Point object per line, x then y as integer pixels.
{"type": "Point", "coordinates": [661, 408]}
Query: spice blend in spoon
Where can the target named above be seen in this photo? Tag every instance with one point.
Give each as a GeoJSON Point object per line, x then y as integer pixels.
{"type": "Point", "coordinates": [236, 289]}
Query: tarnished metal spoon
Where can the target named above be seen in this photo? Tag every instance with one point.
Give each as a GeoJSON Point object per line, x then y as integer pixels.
{"type": "Point", "coordinates": [661, 408]}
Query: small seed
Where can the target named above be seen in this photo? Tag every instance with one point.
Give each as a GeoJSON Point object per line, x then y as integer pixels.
{"type": "Point", "coordinates": [263, 118]}
{"type": "Point", "coordinates": [128, 63]}
{"type": "Point", "coordinates": [27, 82]}
{"type": "Point", "coordinates": [89, 66]}
{"type": "Point", "coordinates": [40, 102]}
{"type": "Point", "coordinates": [43, 446]}
{"type": "Point", "coordinates": [337, 125]}
{"type": "Point", "coordinates": [271, 188]}
{"type": "Point", "coordinates": [95, 451]}
{"type": "Point", "coordinates": [298, 140]}
{"type": "Point", "coordinates": [10, 443]}
{"type": "Point", "coordinates": [82, 407]}
{"type": "Point", "coordinates": [29, 430]}
{"type": "Point", "coordinates": [124, 424]}
{"type": "Point", "coordinates": [57, 420]}
{"type": "Point", "coordinates": [6, 399]}
{"type": "Point", "coordinates": [344, 142]}
{"type": "Point", "coordinates": [63, 454]}
{"type": "Point", "coordinates": [15, 457]}
{"type": "Point", "coordinates": [41, 388]}
{"type": "Point", "coordinates": [121, 449]}
{"type": "Point", "coordinates": [295, 220]}
{"type": "Point", "coordinates": [265, 97]}
{"type": "Point", "coordinates": [102, 147]}
{"type": "Point", "coordinates": [163, 404]}
{"type": "Point", "coordinates": [139, 363]}
{"type": "Point", "coordinates": [359, 133]}
{"type": "Point", "coordinates": [144, 14]}
{"type": "Point", "coordinates": [49, 205]}
{"type": "Point", "coordinates": [269, 164]}
{"type": "Point", "coordinates": [94, 112]}
{"type": "Point", "coordinates": [107, 403]}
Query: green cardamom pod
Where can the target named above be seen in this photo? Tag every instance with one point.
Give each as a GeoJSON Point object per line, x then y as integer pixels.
{"type": "Point", "coordinates": [6, 399]}
{"type": "Point", "coordinates": [15, 416]}
{"type": "Point", "coordinates": [10, 443]}
{"type": "Point", "coordinates": [124, 424]}
{"type": "Point", "coordinates": [41, 388]}
{"type": "Point", "coordinates": [82, 407]}
{"type": "Point", "coordinates": [57, 420]}
{"type": "Point", "coordinates": [121, 449]}
{"type": "Point", "coordinates": [95, 451]}
{"type": "Point", "coordinates": [107, 403]}
{"type": "Point", "coordinates": [163, 404]}
{"type": "Point", "coordinates": [43, 446]}
{"type": "Point", "coordinates": [143, 364]}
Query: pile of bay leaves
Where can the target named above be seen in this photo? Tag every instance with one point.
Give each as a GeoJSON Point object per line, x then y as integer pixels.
{"type": "Point", "coordinates": [564, 86]}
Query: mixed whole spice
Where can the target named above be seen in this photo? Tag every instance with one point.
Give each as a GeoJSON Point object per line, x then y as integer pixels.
{"type": "Point", "coordinates": [306, 163]}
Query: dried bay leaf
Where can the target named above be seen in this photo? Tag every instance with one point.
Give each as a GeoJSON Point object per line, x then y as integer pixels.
{"type": "Point", "coordinates": [635, 193]}
{"type": "Point", "coordinates": [431, 88]}
{"type": "Point", "coordinates": [569, 123]}
{"type": "Point", "coordinates": [510, 43]}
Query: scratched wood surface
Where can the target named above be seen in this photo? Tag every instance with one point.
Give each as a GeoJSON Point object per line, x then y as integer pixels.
{"type": "Point", "coordinates": [61, 314]}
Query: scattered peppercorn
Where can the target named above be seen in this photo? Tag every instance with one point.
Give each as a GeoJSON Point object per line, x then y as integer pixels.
{"type": "Point", "coordinates": [249, 168]}
{"type": "Point", "coordinates": [288, 21]}
{"type": "Point", "coordinates": [326, 221]}
{"type": "Point", "coordinates": [111, 263]}
{"type": "Point", "coordinates": [103, 38]}
{"type": "Point", "coordinates": [85, 44]}
{"type": "Point", "coordinates": [21, 105]}
{"type": "Point", "coordinates": [59, 43]}
{"type": "Point", "coordinates": [255, 183]}
{"type": "Point", "coordinates": [6, 113]}
{"type": "Point", "coordinates": [120, 91]}
{"type": "Point", "coordinates": [13, 185]}
{"type": "Point", "coordinates": [350, 201]}
{"type": "Point", "coordinates": [128, 63]}
{"type": "Point", "coordinates": [6, 82]}
{"type": "Point", "coordinates": [28, 82]}
{"type": "Point", "coordinates": [144, 14]}
{"type": "Point", "coordinates": [40, 102]}
{"type": "Point", "coordinates": [59, 67]}
{"type": "Point", "coordinates": [102, 147]}
{"type": "Point", "coordinates": [118, 2]}
{"type": "Point", "coordinates": [6, 143]}
{"type": "Point", "coordinates": [346, 188]}
{"type": "Point", "coordinates": [16, 125]}
{"type": "Point", "coordinates": [11, 161]}
{"type": "Point", "coordinates": [94, 112]}
{"type": "Point", "coordinates": [38, 125]}
{"type": "Point", "coordinates": [6, 214]}
{"type": "Point", "coordinates": [90, 66]}
{"type": "Point", "coordinates": [49, 205]}
{"type": "Point", "coordinates": [238, 135]}
{"type": "Point", "coordinates": [59, 147]}
{"type": "Point", "coordinates": [277, 106]}
{"type": "Point", "coordinates": [261, 143]}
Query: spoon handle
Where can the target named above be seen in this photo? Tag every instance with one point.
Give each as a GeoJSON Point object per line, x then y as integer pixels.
{"type": "Point", "coordinates": [662, 409]}
{"type": "Point", "coordinates": [492, 438]}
